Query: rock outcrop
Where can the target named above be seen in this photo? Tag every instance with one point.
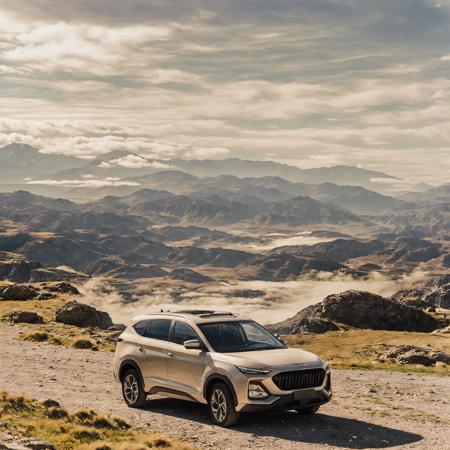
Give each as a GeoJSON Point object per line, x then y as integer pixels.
{"type": "Point", "coordinates": [410, 354]}
{"type": "Point", "coordinates": [64, 288]}
{"type": "Point", "coordinates": [24, 317]}
{"type": "Point", "coordinates": [10, 442]}
{"type": "Point", "coordinates": [360, 309]}
{"type": "Point", "coordinates": [81, 315]}
{"type": "Point", "coordinates": [23, 271]}
{"type": "Point", "coordinates": [18, 292]}
{"type": "Point", "coordinates": [433, 292]}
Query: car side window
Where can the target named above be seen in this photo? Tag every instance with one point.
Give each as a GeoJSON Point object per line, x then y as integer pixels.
{"type": "Point", "coordinates": [183, 333]}
{"type": "Point", "coordinates": [141, 326]}
{"type": "Point", "coordinates": [159, 329]}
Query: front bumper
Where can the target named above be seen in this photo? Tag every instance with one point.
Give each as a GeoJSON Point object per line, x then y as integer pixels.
{"type": "Point", "coordinates": [290, 401]}
{"type": "Point", "coordinates": [284, 400]}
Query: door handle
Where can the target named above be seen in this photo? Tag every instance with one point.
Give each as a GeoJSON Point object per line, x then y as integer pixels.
{"type": "Point", "coordinates": [141, 348]}
{"type": "Point", "coordinates": [169, 354]}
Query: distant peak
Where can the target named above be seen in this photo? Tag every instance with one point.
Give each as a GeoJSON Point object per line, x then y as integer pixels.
{"type": "Point", "coordinates": [18, 146]}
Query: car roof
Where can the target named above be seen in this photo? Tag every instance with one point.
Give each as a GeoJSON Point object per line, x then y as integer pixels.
{"type": "Point", "coordinates": [193, 315]}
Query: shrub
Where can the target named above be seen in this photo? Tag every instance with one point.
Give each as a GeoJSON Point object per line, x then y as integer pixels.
{"type": "Point", "coordinates": [38, 336]}
{"type": "Point", "coordinates": [120, 423]}
{"type": "Point", "coordinates": [56, 413]}
{"type": "Point", "coordinates": [86, 435]}
{"type": "Point", "coordinates": [102, 422]}
{"type": "Point", "coordinates": [85, 415]}
{"type": "Point", "coordinates": [83, 344]}
{"type": "Point", "coordinates": [50, 403]}
{"type": "Point", "coordinates": [55, 340]}
{"type": "Point", "coordinates": [161, 443]}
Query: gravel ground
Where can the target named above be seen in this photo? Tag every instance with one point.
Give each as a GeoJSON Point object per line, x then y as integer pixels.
{"type": "Point", "coordinates": [370, 409]}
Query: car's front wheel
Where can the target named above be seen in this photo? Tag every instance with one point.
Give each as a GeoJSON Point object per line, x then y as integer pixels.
{"type": "Point", "coordinates": [308, 411]}
{"type": "Point", "coordinates": [132, 389]}
{"type": "Point", "coordinates": [221, 406]}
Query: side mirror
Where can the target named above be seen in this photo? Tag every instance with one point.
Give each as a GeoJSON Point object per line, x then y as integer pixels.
{"type": "Point", "coordinates": [193, 344]}
{"type": "Point", "coordinates": [281, 338]}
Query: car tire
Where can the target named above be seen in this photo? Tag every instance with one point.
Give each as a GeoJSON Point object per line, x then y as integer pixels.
{"type": "Point", "coordinates": [308, 411]}
{"type": "Point", "coordinates": [221, 406]}
{"type": "Point", "coordinates": [133, 390]}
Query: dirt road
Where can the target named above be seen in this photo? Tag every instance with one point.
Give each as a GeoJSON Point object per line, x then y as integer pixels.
{"type": "Point", "coordinates": [370, 409]}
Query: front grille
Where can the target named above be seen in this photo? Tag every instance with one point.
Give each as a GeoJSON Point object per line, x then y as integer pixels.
{"type": "Point", "coordinates": [299, 379]}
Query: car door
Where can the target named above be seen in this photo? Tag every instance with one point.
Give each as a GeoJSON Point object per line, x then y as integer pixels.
{"type": "Point", "coordinates": [185, 367]}
{"type": "Point", "coordinates": [154, 352]}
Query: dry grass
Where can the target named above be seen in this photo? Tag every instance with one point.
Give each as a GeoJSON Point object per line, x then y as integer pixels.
{"type": "Point", "coordinates": [84, 430]}
{"type": "Point", "coordinates": [359, 349]}
{"type": "Point", "coordinates": [58, 333]}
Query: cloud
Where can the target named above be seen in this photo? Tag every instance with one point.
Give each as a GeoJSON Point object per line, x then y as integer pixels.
{"type": "Point", "coordinates": [283, 299]}
{"type": "Point", "coordinates": [97, 50]}
{"type": "Point", "coordinates": [86, 182]}
{"type": "Point", "coordinates": [134, 162]}
{"type": "Point", "coordinates": [322, 81]}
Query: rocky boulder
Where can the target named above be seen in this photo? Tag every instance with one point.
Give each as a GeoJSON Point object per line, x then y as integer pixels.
{"type": "Point", "coordinates": [315, 325]}
{"type": "Point", "coordinates": [84, 316]}
{"type": "Point", "coordinates": [361, 309]}
{"type": "Point", "coordinates": [24, 317]}
{"type": "Point", "coordinates": [18, 292]}
{"type": "Point", "coordinates": [410, 354]}
{"type": "Point", "coordinates": [10, 442]}
{"type": "Point", "coordinates": [445, 330]}
{"type": "Point", "coordinates": [64, 288]}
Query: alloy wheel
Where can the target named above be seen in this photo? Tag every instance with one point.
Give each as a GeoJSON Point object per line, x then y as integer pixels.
{"type": "Point", "coordinates": [130, 389]}
{"type": "Point", "coordinates": [219, 405]}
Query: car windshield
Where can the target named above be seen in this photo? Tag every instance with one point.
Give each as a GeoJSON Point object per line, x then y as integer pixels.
{"type": "Point", "coordinates": [239, 336]}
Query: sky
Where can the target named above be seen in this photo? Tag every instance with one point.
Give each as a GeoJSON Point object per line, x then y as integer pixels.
{"type": "Point", "coordinates": [307, 82]}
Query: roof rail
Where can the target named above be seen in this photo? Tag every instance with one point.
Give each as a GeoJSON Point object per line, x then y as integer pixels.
{"type": "Point", "coordinates": [217, 313]}
{"type": "Point", "coordinates": [205, 312]}
{"type": "Point", "coordinates": [195, 312]}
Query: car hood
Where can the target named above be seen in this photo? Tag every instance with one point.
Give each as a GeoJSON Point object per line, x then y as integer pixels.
{"type": "Point", "coordinates": [284, 358]}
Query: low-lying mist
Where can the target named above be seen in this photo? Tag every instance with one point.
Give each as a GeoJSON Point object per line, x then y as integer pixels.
{"type": "Point", "coordinates": [281, 299]}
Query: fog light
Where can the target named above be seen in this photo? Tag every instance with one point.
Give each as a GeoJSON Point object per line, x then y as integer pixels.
{"type": "Point", "coordinates": [256, 391]}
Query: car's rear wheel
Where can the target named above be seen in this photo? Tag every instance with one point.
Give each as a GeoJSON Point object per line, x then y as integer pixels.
{"type": "Point", "coordinates": [221, 406]}
{"type": "Point", "coordinates": [308, 411]}
{"type": "Point", "coordinates": [132, 389]}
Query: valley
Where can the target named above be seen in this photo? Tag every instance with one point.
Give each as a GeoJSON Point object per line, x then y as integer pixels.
{"type": "Point", "coordinates": [358, 276]}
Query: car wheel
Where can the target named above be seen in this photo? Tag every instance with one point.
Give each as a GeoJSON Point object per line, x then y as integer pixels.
{"type": "Point", "coordinates": [221, 406]}
{"type": "Point", "coordinates": [308, 411]}
{"type": "Point", "coordinates": [133, 390]}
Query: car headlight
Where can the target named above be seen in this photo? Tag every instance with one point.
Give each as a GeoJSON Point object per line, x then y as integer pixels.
{"type": "Point", "coordinates": [256, 391]}
{"type": "Point", "coordinates": [250, 371]}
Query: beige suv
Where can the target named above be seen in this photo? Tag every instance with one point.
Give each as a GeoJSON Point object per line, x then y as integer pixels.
{"type": "Point", "coordinates": [231, 363]}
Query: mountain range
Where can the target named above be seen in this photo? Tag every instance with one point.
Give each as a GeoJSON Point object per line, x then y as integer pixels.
{"type": "Point", "coordinates": [120, 173]}
{"type": "Point", "coordinates": [20, 161]}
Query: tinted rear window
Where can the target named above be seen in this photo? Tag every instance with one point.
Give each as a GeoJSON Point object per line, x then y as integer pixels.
{"type": "Point", "coordinates": [159, 329]}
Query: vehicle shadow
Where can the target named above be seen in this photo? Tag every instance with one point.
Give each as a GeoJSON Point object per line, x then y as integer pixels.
{"type": "Point", "coordinates": [319, 428]}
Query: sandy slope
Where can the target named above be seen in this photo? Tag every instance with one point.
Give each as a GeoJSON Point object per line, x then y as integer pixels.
{"type": "Point", "coordinates": [369, 409]}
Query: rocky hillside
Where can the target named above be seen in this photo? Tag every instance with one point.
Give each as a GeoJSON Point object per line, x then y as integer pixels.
{"type": "Point", "coordinates": [359, 309]}
{"type": "Point", "coordinates": [434, 293]}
